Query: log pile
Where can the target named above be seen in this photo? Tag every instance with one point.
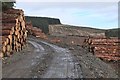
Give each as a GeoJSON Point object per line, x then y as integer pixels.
{"type": "Point", "coordinates": [56, 40]}
{"type": "Point", "coordinates": [13, 32]}
{"type": "Point", "coordinates": [107, 49]}
{"type": "Point", "coordinates": [37, 32]}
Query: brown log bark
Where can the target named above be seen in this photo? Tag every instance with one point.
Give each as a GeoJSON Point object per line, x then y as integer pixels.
{"type": "Point", "coordinates": [14, 11]}
{"type": "Point", "coordinates": [5, 40]}
{"type": "Point", "coordinates": [6, 32]}
{"type": "Point", "coordinates": [10, 21]}
{"type": "Point", "coordinates": [7, 27]}
{"type": "Point", "coordinates": [13, 31]}
{"type": "Point", "coordinates": [21, 18]}
{"type": "Point", "coordinates": [6, 16]}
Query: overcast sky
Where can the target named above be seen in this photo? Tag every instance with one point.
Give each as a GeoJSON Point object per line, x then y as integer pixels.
{"type": "Point", "coordinates": [102, 15]}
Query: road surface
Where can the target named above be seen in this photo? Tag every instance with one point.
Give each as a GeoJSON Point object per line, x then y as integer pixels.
{"type": "Point", "coordinates": [40, 59]}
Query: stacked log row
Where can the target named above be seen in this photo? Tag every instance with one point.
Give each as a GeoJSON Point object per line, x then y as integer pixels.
{"type": "Point", "coordinates": [107, 49]}
{"type": "Point", "coordinates": [37, 32]}
{"type": "Point", "coordinates": [56, 40]}
{"type": "Point", "coordinates": [13, 33]}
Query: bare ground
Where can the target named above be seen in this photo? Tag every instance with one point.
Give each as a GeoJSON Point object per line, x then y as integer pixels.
{"type": "Point", "coordinates": [41, 59]}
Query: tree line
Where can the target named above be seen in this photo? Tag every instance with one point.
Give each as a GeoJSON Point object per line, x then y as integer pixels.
{"type": "Point", "coordinates": [42, 22]}
{"type": "Point", "coordinates": [7, 5]}
{"type": "Point", "coordinates": [113, 33]}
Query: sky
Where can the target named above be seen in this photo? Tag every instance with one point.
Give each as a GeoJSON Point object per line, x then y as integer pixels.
{"type": "Point", "coordinates": [102, 15]}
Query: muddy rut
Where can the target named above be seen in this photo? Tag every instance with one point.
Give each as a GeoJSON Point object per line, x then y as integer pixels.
{"type": "Point", "coordinates": [41, 59]}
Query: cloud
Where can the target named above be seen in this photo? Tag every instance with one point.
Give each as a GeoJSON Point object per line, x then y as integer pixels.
{"type": "Point", "coordinates": [68, 1]}
{"type": "Point", "coordinates": [99, 15]}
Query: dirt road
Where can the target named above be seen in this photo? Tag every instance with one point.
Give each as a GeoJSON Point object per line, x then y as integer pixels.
{"type": "Point", "coordinates": [40, 59]}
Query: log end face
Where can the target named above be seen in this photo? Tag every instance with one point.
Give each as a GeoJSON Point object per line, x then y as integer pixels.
{"type": "Point", "coordinates": [1, 55]}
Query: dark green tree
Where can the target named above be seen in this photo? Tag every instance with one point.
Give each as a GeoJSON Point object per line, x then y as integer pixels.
{"type": "Point", "coordinates": [7, 5]}
{"type": "Point", "coordinates": [42, 22]}
{"type": "Point", "coordinates": [112, 33]}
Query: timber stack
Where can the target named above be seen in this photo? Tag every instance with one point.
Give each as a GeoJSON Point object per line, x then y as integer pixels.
{"type": "Point", "coordinates": [106, 49]}
{"type": "Point", "coordinates": [37, 32]}
{"type": "Point", "coordinates": [13, 32]}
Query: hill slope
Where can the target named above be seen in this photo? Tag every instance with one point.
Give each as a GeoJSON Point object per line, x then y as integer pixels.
{"type": "Point", "coordinates": [68, 30]}
{"type": "Point", "coordinates": [42, 22]}
{"type": "Point", "coordinates": [113, 32]}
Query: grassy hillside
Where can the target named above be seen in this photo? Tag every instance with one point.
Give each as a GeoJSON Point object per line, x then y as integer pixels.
{"type": "Point", "coordinates": [113, 32]}
{"type": "Point", "coordinates": [108, 33]}
{"type": "Point", "coordinates": [42, 22]}
{"type": "Point", "coordinates": [89, 29]}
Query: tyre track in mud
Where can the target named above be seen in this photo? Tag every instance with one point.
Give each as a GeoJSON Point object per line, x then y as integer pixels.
{"type": "Point", "coordinates": [63, 64]}
{"type": "Point", "coordinates": [42, 60]}
{"type": "Point", "coordinates": [21, 64]}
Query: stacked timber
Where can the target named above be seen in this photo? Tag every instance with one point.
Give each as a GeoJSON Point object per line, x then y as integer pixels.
{"type": "Point", "coordinates": [56, 40]}
{"type": "Point", "coordinates": [29, 27]}
{"type": "Point", "coordinates": [37, 32]}
{"type": "Point", "coordinates": [13, 32]}
{"type": "Point", "coordinates": [104, 48]}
